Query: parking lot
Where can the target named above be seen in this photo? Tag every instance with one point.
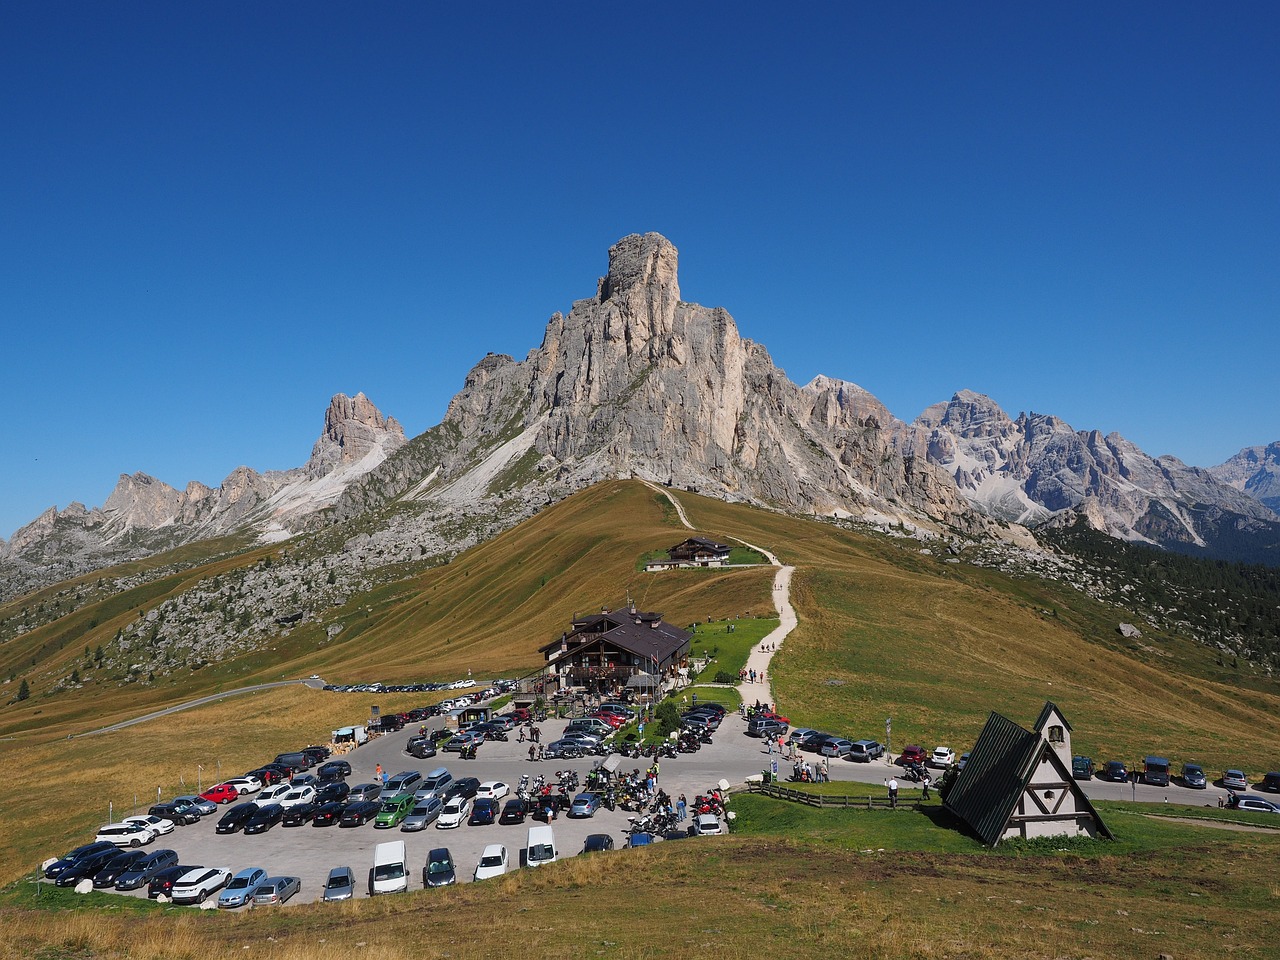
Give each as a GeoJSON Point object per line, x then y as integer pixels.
{"type": "Point", "coordinates": [310, 852]}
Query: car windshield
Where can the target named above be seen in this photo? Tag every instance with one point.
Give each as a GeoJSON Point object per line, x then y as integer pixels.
{"type": "Point", "coordinates": [440, 866]}
{"type": "Point", "coordinates": [341, 880]}
{"type": "Point", "coordinates": [422, 810]}
{"type": "Point", "coordinates": [238, 883]}
{"type": "Point", "coordinates": [390, 807]}
{"type": "Point", "coordinates": [388, 871]}
{"type": "Point", "coordinates": [492, 861]}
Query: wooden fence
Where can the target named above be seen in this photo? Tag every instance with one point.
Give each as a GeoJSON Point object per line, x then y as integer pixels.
{"type": "Point", "coordinates": [779, 792]}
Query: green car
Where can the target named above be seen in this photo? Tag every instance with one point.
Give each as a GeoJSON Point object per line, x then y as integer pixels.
{"type": "Point", "coordinates": [394, 810]}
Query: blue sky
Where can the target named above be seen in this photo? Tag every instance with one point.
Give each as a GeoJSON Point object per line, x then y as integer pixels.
{"type": "Point", "coordinates": [215, 219]}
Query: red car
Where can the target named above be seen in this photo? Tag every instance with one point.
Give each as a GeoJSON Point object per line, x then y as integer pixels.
{"type": "Point", "coordinates": [611, 719]}
{"type": "Point", "coordinates": [770, 715]}
{"type": "Point", "coordinates": [913, 754]}
{"type": "Point", "coordinates": [222, 793]}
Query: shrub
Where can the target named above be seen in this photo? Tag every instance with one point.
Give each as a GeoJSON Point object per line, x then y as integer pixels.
{"type": "Point", "coordinates": [724, 676]}
{"type": "Point", "coordinates": [667, 717]}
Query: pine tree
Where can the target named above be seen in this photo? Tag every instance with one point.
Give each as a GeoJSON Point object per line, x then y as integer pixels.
{"type": "Point", "coordinates": [24, 691]}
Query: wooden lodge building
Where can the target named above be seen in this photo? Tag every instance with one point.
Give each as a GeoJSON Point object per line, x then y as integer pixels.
{"type": "Point", "coordinates": [615, 651]}
{"type": "Point", "coordinates": [694, 552]}
{"type": "Point", "coordinates": [1018, 783]}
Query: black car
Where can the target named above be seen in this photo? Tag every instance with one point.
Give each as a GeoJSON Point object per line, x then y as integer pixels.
{"type": "Point", "coordinates": [490, 731]}
{"type": "Point", "coordinates": [334, 770]}
{"type": "Point", "coordinates": [597, 842]}
{"type": "Point", "coordinates": [327, 814]}
{"type": "Point", "coordinates": [269, 775]}
{"type": "Point", "coordinates": [110, 872]}
{"type": "Point", "coordinates": [483, 811]}
{"type": "Point", "coordinates": [85, 867]}
{"type": "Point", "coordinates": [514, 812]}
{"type": "Point", "coordinates": [421, 747]}
{"type": "Point", "coordinates": [1115, 771]}
{"type": "Point", "coordinates": [316, 754]}
{"type": "Point", "coordinates": [163, 881]}
{"type": "Point", "coordinates": [145, 869]}
{"type": "Point", "coordinates": [266, 817]}
{"type": "Point", "coordinates": [814, 741]}
{"type": "Point", "coordinates": [1270, 782]}
{"type": "Point", "coordinates": [54, 870]}
{"type": "Point", "coordinates": [235, 818]}
{"type": "Point", "coordinates": [298, 814]}
{"type": "Point", "coordinates": [332, 790]}
{"type": "Point", "coordinates": [359, 813]}
{"type": "Point", "coordinates": [463, 787]}
{"type": "Point", "coordinates": [439, 870]}
{"type": "Point", "coordinates": [183, 814]}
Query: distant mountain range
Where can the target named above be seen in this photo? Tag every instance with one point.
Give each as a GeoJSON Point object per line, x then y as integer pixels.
{"type": "Point", "coordinates": [634, 381]}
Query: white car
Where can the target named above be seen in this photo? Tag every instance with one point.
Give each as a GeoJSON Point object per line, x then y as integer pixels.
{"type": "Point", "coordinates": [942, 757]}
{"type": "Point", "coordinates": [246, 784]}
{"type": "Point", "coordinates": [126, 834]}
{"type": "Point", "coordinates": [493, 862]}
{"type": "Point", "coordinates": [707, 825]}
{"type": "Point", "coordinates": [274, 794]}
{"type": "Point", "coordinates": [454, 814]}
{"type": "Point", "coordinates": [195, 885]}
{"type": "Point", "coordinates": [492, 790]}
{"type": "Point", "coordinates": [159, 824]}
{"type": "Point", "coordinates": [297, 796]}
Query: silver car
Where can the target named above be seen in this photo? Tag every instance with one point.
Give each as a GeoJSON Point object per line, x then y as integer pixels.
{"type": "Point", "coordinates": [424, 812]}
{"type": "Point", "coordinates": [276, 890]}
{"type": "Point", "coordinates": [341, 884]}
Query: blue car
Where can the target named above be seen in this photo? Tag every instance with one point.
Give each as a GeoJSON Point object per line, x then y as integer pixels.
{"type": "Point", "coordinates": [240, 890]}
{"type": "Point", "coordinates": [585, 805]}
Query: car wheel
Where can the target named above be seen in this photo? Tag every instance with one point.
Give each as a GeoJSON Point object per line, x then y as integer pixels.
{"type": "Point", "coordinates": [204, 895]}
{"type": "Point", "coordinates": [135, 842]}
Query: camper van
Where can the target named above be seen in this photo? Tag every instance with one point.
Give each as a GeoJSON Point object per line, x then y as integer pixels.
{"type": "Point", "coordinates": [390, 872]}
{"type": "Point", "coordinates": [542, 847]}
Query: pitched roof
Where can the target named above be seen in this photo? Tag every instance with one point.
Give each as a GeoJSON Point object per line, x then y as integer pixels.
{"type": "Point", "coordinates": [651, 638]}
{"type": "Point", "coordinates": [999, 768]}
{"type": "Point", "coordinates": [1050, 708]}
{"type": "Point", "coordinates": [994, 777]}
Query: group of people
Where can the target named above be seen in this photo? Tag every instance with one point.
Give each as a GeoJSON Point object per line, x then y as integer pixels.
{"type": "Point", "coordinates": [751, 676]}
{"type": "Point", "coordinates": [805, 772]}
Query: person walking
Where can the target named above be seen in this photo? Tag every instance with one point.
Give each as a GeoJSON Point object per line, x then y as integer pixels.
{"type": "Point", "coordinates": [826, 769]}
{"type": "Point", "coordinates": [892, 784]}
{"type": "Point", "coordinates": [925, 784]}
{"type": "Point", "coordinates": [533, 752]}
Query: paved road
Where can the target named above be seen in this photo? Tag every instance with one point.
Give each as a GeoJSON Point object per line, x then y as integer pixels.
{"type": "Point", "coordinates": [213, 698]}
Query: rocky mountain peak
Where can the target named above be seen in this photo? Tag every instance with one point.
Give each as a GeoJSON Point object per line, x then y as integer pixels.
{"type": "Point", "coordinates": [641, 262]}
{"type": "Point", "coordinates": [1255, 471]}
{"type": "Point", "coordinates": [353, 427]}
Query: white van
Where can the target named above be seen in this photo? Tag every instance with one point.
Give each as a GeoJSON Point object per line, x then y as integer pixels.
{"type": "Point", "coordinates": [390, 868]}
{"type": "Point", "coordinates": [542, 847]}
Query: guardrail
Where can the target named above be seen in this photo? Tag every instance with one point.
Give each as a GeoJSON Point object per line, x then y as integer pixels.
{"type": "Point", "coordinates": [779, 792]}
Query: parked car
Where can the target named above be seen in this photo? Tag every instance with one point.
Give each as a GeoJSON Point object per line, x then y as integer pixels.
{"type": "Point", "coordinates": [964, 759]}
{"type": "Point", "coordinates": [110, 870]}
{"type": "Point", "coordinates": [89, 849]}
{"type": "Point", "coordinates": [205, 807]}
{"type": "Point", "coordinates": [327, 814]}
{"type": "Point", "coordinates": [305, 780]}
{"type": "Point", "coordinates": [493, 862]}
{"type": "Point", "coordinates": [422, 747]}
{"type": "Point", "coordinates": [423, 814]}
{"type": "Point", "coordinates": [812, 742]}
{"type": "Point", "coordinates": [222, 793]}
{"type": "Point", "coordinates": [364, 791]}
{"type": "Point", "coordinates": [183, 814]}
{"type": "Point", "coordinates": [913, 753]}
{"type": "Point", "coordinates": [331, 790]}
{"type": "Point", "coordinates": [267, 776]}
{"type": "Point", "coordinates": [1257, 804]}
{"type": "Point", "coordinates": [515, 811]}
{"type": "Point", "coordinates": [468, 787]}
{"type": "Point", "coordinates": [706, 825]}
{"type": "Point", "coordinates": [639, 839]}
{"type": "Point", "coordinates": [1155, 771]}
{"type": "Point", "coordinates": [85, 868]}
{"type": "Point", "coordinates": [756, 727]}
{"type": "Point", "coordinates": [127, 834]}
{"type": "Point", "coordinates": [836, 747]}
{"type": "Point", "coordinates": [1271, 783]}
{"type": "Point", "coordinates": [161, 885]}
{"type": "Point", "coordinates": [340, 885]}
{"type": "Point", "coordinates": [235, 818]}
{"type": "Point", "coordinates": [1193, 776]}
{"type": "Point", "coordinates": [483, 812]}
{"type": "Point", "coordinates": [394, 810]}
{"type": "Point", "coordinates": [359, 813]}
{"type": "Point", "coordinates": [463, 740]}
{"type": "Point", "coordinates": [274, 794]}
{"type": "Point", "coordinates": [266, 817]}
{"type": "Point", "coordinates": [246, 784]}
{"type": "Point", "coordinates": [493, 790]}
{"type": "Point", "coordinates": [159, 824]}
{"type": "Point", "coordinates": [1115, 771]}
{"type": "Point", "coordinates": [146, 869]}
{"type": "Point", "coordinates": [196, 885]}
{"type": "Point", "coordinates": [298, 814]}
{"type": "Point", "coordinates": [334, 770]}
{"type": "Point", "coordinates": [1082, 768]}
{"type": "Point", "coordinates": [297, 796]}
{"type": "Point", "coordinates": [597, 842]}
{"type": "Point", "coordinates": [585, 805]}
{"type": "Point", "coordinates": [1235, 780]}
{"type": "Point", "coordinates": [439, 870]}
{"type": "Point", "coordinates": [454, 814]}
{"type": "Point", "coordinates": [276, 890]}
{"type": "Point", "coordinates": [239, 889]}
{"type": "Point", "coordinates": [864, 751]}
{"type": "Point", "coordinates": [941, 758]}
{"type": "Point", "coordinates": [404, 782]}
